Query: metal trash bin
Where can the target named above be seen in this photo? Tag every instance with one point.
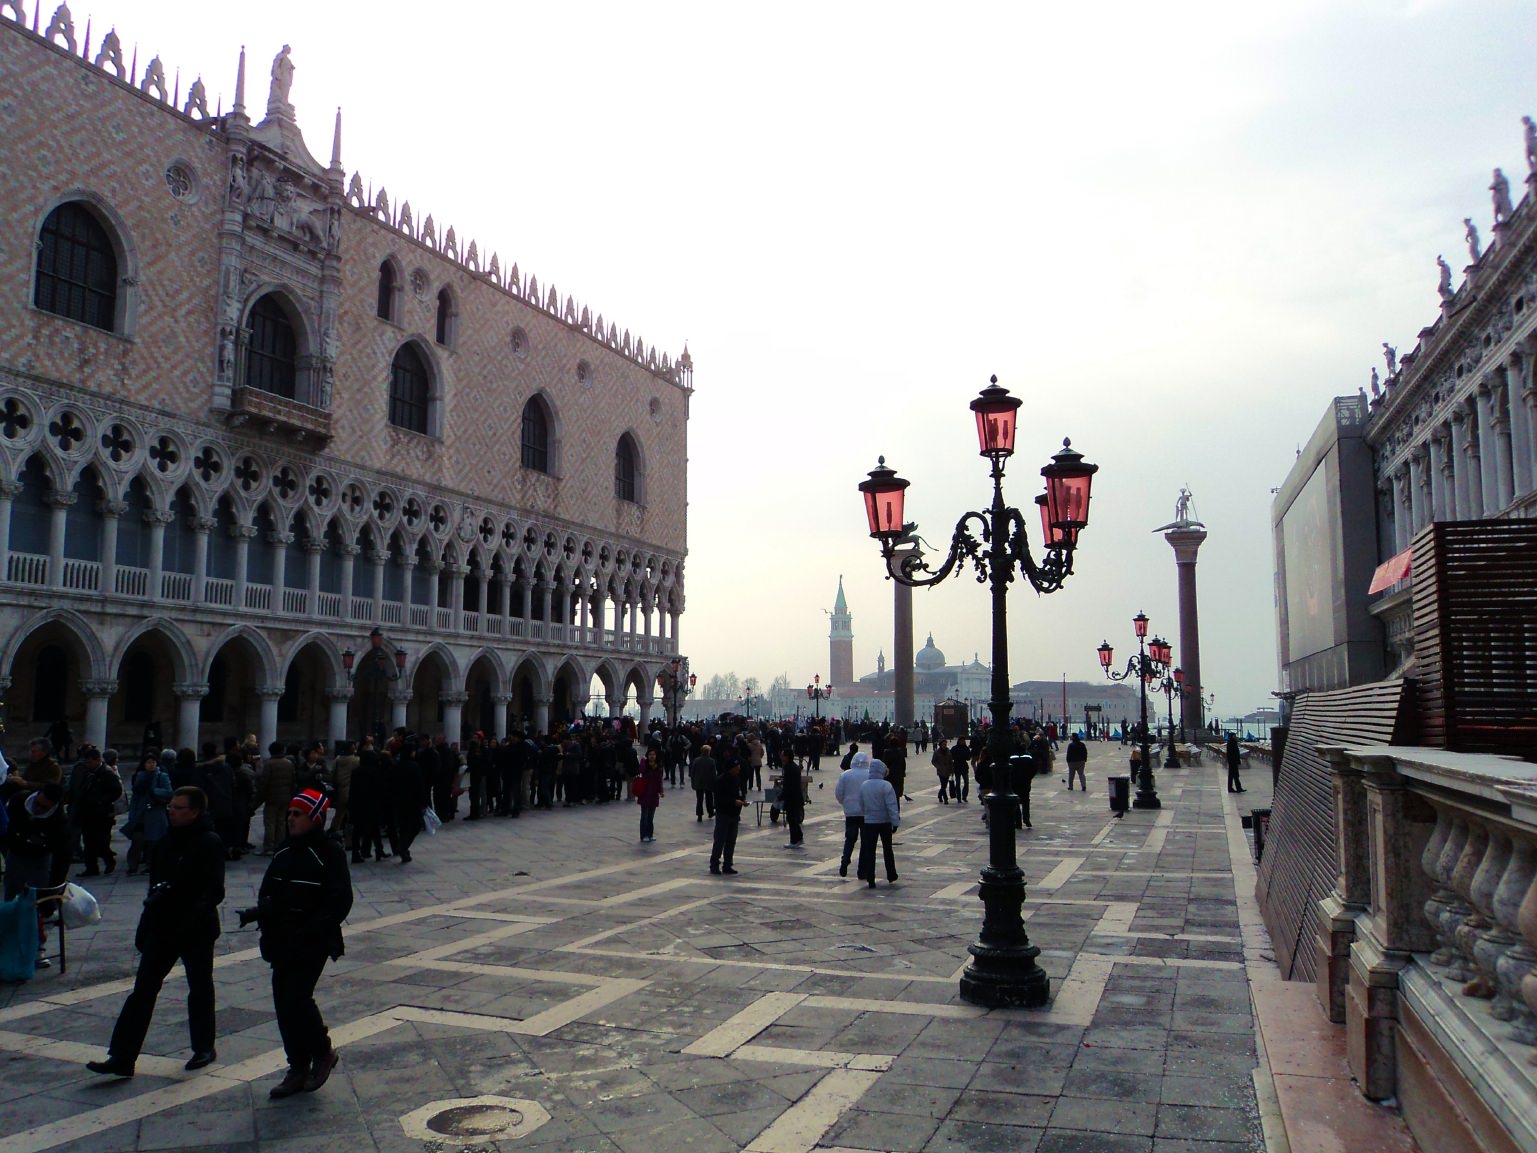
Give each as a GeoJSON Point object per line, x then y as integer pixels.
{"type": "Point", "coordinates": [1120, 794]}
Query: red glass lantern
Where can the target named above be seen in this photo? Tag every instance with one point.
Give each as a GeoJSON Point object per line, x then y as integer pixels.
{"type": "Point", "coordinates": [884, 493]}
{"type": "Point", "coordinates": [1050, 533]}
{"type": "Point", "coordinates": [348, 657]}
{"type": "Point", "coordinates": [400, 661]}
{"type": "Point", "coordinates": [1179, 677]}
{"type": "Point", "coordinates": [1069, 479]}
{"type": "Point", "coordinates": [1160, 650]}
{"type": "Point", "coordinates": [693, 680]}
{"type": "Point", "coordinates": [1106, 655]}
{"type": "Point", "coordinates": [997, 421]}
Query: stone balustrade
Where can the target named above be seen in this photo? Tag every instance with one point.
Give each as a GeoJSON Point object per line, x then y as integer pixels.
{"type": "Point", "coordinates": [1428, 945]}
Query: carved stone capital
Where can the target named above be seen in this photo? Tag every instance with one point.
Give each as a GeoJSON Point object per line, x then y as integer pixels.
{"type": "Point", "coordinates": [314, 547]}
{"type": "Point", "coordinates": [112, 509]}
{"type": "Point", "coordinates": [378, 557]}
{"type": "Point", "coordinates": [406, 562]}
{"type": "Point", "coordinates": [337, 696]}
{"type": "Point", "coordinates": [242, 531]}
{"type": "Point", "coordinates": [10, 489]}
{"type": "Point", "coordinates": [453, 698]}
{"type": "Point", "coordinates": [501, 700]}
{"type": "Point", "coordinates": [401, 696]}
{"type": "Point", "coordinates": [54, 498]}
{"type": "Point", "coordinates": [349, 549]}
{"type": "Point", "coordinates": [93, 688]}
{"type": "Point", "coordinates": [270, 693]}
{"type": "Point", "coordinates": [158, 516]}
{"type": "Point", "coordinates": [281, 539]}
{"type": "Point", "coordinates": [202, 525]}
{"type": "Point", "coordinates": [190, 690]}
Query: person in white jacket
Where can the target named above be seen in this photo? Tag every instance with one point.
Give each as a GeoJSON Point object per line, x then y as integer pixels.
{"type": "Point", "coordinates": [847, 792]}
{"type": "Point", "coordinates": [878, 807]}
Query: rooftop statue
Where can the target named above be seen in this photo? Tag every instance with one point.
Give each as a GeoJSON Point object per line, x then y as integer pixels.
{"type": "Point", "coordinates": [282, 78]}
{"type": "Point", "coordinates": [1475, 249]}
{"type": "Point", "coordinates": [1500, 193]}
{"type": "Point", "coordinates": [1376, 384]}
{"type": "Point", "coordinates": [1531, 143]}
{"type": "Point", "coordinates": [1390, 354]}
{"type": "Point", "coordinates": [1445, 287]}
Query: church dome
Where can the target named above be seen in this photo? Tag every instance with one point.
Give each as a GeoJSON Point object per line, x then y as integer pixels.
{"type": "Point", "coordinates": [930, 659]}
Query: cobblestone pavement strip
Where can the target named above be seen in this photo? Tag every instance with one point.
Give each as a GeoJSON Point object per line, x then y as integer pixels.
{"type": "Point", "coordinates": [644, 1005]}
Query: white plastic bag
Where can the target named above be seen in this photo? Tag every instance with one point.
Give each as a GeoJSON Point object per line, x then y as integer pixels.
{"type": "Point", "coordinates": [79, 908]}
{"type": "Point", "coordinates": [431, 822]}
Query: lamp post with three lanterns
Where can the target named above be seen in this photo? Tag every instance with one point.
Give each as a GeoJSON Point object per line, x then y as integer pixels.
{"type": "Point", "coordinates": [1003, 970]}
{"type": "Point", "coordinates": [376, 668]}
{"type": "Point", "coordinates": [675, 687]}
{"type": "Point", "coordinates": [1150, 664]}
{"type": "Point", "coordinates": [819, 692]}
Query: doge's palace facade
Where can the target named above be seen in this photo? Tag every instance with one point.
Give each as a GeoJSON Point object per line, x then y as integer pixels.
{"type": "Point", "coordinates": [279, 456]}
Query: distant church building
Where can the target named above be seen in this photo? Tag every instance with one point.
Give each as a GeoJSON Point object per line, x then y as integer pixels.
{"type": "Point", "coordinates": [936, 680]}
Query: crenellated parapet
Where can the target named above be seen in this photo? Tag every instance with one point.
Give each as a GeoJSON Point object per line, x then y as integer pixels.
{"type": "Point", "coordinates": [108, 58]}
{"type": "Point", "coordinates": [547, 298]}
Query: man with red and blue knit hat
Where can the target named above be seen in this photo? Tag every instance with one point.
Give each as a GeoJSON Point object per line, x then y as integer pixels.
{"type": "Point", "coordinates": [303, 900]}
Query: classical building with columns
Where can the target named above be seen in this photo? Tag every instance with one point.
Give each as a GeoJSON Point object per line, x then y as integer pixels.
{"type": "Point", "coordinates": [281, 456]}
{"type": "Point", "coordinates": [1447, 433]}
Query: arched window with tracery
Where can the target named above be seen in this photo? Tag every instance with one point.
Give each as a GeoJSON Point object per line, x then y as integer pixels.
{"type": "Point", "coordinates": [448, 319]}
{"type": "Point", "coordinates": [536, 435]}
{"type": "Point", "coordinates": [388, 286]}
{"type": "Point", "coordinates": [272, 351]}
{"type": "Point", "coordinates": [410, 391]}
{"type": "Point", "coordinates": [77, 274]}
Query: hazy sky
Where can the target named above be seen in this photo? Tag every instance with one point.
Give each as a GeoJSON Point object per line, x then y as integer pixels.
{"type": "Point", "coordinates": [1175, 231]}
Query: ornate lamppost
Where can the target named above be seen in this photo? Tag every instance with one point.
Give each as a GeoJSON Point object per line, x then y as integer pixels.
{"type": "Point", "coordinates": [376, 666]}
{"type": "Point", "coordinates": [1150, 663]}
{"type": "Point", "coordinates": [676, 687]}
{"type": "Point", "coordinates": [1171, 757]}
{"type": "Point", "coordinates": [1003, 970]}
{"type": "Point", "coordinates": [1182, 689]}
{"type": "Point", "coordinates": [819, 692]}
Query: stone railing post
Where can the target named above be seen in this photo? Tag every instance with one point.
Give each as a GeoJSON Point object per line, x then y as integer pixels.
{"type": "Point", "coordinates": [1337, 913]}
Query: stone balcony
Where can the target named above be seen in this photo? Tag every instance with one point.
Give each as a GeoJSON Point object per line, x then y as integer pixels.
{"type": "Point", "coordinates": [305, 608]}
{"type": "Point", "coordinates": [275, 415]}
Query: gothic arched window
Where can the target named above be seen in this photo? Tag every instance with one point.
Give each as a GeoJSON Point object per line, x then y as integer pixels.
{"type": "Point", "coordinates": [271, 357]}
{"type": "Point", "coordinates": [536, 435]}
{"type": "Point", "coordinates": [77, 267]}
{"type": "Point", "coordinates": [410, 391]}
{"type": "Point", "coordinates": [626, 470]}
{"type": "Point", "coordinates": [388, 287]}
{"type": "Point", "coordinates": [448, 319]}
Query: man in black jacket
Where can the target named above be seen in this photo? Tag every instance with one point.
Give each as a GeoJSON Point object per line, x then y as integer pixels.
{"type": "Point", "coordinates": [180, 922]}
{"type": "Point", "coordinates": [303, 900]}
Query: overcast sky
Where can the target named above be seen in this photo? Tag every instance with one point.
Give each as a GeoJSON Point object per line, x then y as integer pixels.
{"type": "Point", "coordinates": [1176, 231]}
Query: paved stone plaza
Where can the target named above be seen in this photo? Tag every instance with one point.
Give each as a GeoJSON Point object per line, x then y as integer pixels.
{"type": "Point", "coordinates": [554, 981]}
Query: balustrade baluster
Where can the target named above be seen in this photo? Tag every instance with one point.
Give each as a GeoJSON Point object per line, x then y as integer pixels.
{"type": "Point", "coordinates": [1473, 938]}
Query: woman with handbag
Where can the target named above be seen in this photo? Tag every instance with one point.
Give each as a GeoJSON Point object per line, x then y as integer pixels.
{"type": "Point", "coordinates": [149, 792]}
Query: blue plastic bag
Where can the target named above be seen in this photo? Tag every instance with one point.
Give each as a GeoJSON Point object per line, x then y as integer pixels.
{"type": "Point", "coordinates": [18, 937]}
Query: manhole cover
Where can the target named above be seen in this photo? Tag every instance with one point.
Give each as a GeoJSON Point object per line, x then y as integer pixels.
{"type": "Point", "coordinates": [474, 1120]}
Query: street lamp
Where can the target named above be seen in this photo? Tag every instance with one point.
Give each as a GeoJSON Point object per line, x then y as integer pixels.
{"type": "Point", "coordinates": [1149, 664]}
{"type": "Point", "coordinates": [675, 687]}
{"type": "Point", "coordinates": [819, 692]}
{"type": "Point", "coordinates": [376, 666]}
{"type": "Point", "coordinates": [1171, 759]}
{"type": "Point", "coordinates": [1003, 970]}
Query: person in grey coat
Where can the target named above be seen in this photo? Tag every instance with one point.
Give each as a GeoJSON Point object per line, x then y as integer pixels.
{"type": "Point", "coordinates": [881, 818]}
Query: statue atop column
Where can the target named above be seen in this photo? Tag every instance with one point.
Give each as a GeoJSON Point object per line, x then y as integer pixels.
{"type": "Point", "coordinates": [1184, 512]}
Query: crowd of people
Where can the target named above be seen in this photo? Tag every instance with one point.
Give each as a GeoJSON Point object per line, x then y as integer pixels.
{"type": "Point", "coordinates": [185, 817]}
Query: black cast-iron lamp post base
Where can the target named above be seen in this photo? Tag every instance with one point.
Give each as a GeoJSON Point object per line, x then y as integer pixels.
{"type": "Point", "coordinates": [1002, 973]}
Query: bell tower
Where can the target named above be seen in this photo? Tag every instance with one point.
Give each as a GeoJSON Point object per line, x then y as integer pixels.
{"type": "Point", "coordinates": [840, 643]}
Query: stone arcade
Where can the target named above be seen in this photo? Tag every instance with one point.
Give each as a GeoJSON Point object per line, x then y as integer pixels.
{"type": "Point", "coordinates": [249, 414]}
